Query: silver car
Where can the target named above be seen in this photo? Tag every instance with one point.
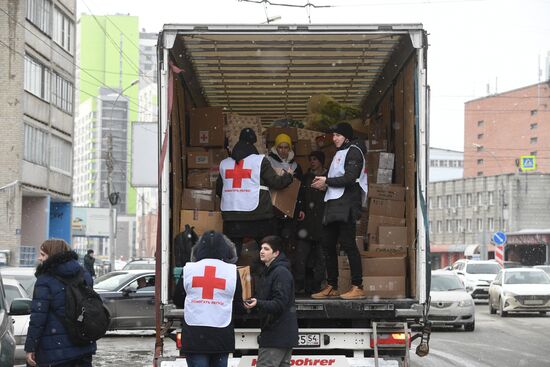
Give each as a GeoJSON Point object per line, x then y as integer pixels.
{"type": "Point", "coordinates": [450, 304]}
{"type": "Point", "coordinates": [520, 290]}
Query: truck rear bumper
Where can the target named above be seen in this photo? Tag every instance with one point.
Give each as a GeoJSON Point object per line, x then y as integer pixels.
{"type": "Point", "coordinates": [296, 361]}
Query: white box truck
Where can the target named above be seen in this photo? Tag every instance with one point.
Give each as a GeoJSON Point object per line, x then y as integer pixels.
{"type": "Point", "coordinates": [271, 71]}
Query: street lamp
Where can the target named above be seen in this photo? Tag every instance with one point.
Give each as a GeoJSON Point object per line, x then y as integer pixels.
{"type": "Point", "coordinates": [483, 250]}
{"type": "Point", "coordinates": [113, 196]}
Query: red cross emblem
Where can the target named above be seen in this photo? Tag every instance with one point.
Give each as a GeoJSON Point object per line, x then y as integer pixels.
{"type": "Point", "coordinates": [208, 282]}
{"type": "Point", "coordinates": [238, 173]}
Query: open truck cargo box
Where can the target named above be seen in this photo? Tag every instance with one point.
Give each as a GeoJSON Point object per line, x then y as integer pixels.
{"type": "Point", "coordinates": [268, 72]}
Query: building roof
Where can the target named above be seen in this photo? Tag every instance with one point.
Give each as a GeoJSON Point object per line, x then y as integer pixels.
{"type": "Point", "coordinates": [507, 92]}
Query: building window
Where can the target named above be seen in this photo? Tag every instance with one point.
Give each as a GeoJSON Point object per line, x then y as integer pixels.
{"type": "Point", "coordinates": [458, 200]}
{"type": "Point", "coordinates": [534, 112]}
{"type": "Point", "coordinates": [480, 161]}
{"type": "Point", "coordinates": [444, 163]}
{"type": "Point", "coordinates": [468, 199]}
{"type": "Point", "coordinates": [479, 198]}
{"type": "Point", "coordinates": [491, 224]}
{"type": "Point", "coordinates": [534, 140]}
{"type": "Point", "coordinates": [459, 228]}
{"type": "Point", "coordinates": [61, 154]}
{"type": "Point", "coordinates": [480, 123]}
{"type": "Point", "coordinates": [63, 30]}
{"type": "Point", "coordinates": [433, 163]}
{"type": "Point", "coordinates": [480, 173]}
{"type": "Point", "coordinates": [480, 225]}
{"type": "Point", "coordinates": [449, 200]}
{"type": "Point", "coordinates": [431, 203]}
{"type": "Point", "coordinates": [534, 125]}
{"type": "Point", "coordinates": [449, 225]}
{"type": "Point", "coordinates": [37, 78]}
{"type": "Point", "coordinates": [27, 256]}
{"type": "Point", "coordinates": [62, 93]}
{"type": "Point", "coordinates": [469, 225]}
{"type": "Point", "coordinates": [36, 145]}
{"type": "Point", "coordinates": [431, 227]}
{"type": "Point", "coordinates": [439, 226]}
{"type": "Point", "coordinates": [491, 197]}
{"type": "Point", "coordinates": [534, 152]}
{"type": "Point", "coordinates": [479, 136]}
{"type": "Point", "coordinates": [38, 13]}
{"type": "Point", "coordinates": [439, 202]}
{"type": "Point", "coordinates": [479, 148]}
{"type": "Point", "coordinates": [460, 164]}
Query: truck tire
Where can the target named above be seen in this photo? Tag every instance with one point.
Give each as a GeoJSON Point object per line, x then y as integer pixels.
{"type": "Point", "coordinates": [470, 326]}
{"type": "Point", "coordinates": [492, 310]}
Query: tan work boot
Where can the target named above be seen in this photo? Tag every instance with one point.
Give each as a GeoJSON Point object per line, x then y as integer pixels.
{"type": "Point", "coordinates": [327, 292]}
{"type": "Point", "coordinates": [354, 293]}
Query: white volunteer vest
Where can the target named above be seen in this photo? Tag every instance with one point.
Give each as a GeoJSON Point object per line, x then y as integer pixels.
{"type": "Point", "coordinates": [209, 286]}
{"type": "Point", "coordinates": [241, 183]}
{"type": "Point", "coordinates": [337, 169]}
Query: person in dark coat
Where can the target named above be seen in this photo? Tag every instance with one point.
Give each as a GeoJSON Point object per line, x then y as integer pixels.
{"type": "Point", "coordinates": [344, 184]}
{"type": "Point", "coordinates": [207, 340]}
{"type": "Point", "coordinates": [48, 342]}
{"type": "Point", "coordinates": [309, 261]}
{"type": "Point", "coordinates": [257, 220]}
{"type": "Point", "coordinates": [276, 305]}
{"type": "Point", "coordinates": [89, 261]}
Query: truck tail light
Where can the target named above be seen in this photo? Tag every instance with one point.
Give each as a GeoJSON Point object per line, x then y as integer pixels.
{"type": "Point", "coordinates": [178, 340]}
{"type": "Point", "coordinates": [392, 340]}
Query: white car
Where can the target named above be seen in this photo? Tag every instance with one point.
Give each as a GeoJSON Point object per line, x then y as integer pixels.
{"type": "Point", "coordinates": [450, 304]}
{"type": "Point", "coordinates": [14, 290]}
{"type": "Point", "coordinates": [520, 290]}
{"type": "Point", "coordinates": [476, 275]}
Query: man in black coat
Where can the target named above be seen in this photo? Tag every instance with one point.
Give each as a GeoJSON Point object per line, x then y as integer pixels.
{"type": "Point", "coordinates": [345, 181]}
{"type": "Point", "coordinates": [89, 261]}
{"type": "Point", "coordinates": [276, 305]}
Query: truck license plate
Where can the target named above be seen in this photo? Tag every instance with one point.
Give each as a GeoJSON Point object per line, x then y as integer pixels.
{"type": "Point", "coordinates": [309, 340]}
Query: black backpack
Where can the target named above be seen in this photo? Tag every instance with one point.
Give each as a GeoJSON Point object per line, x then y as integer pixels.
{"type": "Point", "coordinates": [86, 319]}
{"type": "Point", "coordinates": [183, 244]}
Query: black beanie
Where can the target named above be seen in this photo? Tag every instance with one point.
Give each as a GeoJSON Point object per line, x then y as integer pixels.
{"type": "Point", "coordinates": [248, 136]}
{"type": "Point", "coordinates": [319, 155]}
{"type": "Point", "coordinates": [214, 245]}
{"type": "Point", "coordinates": [343, 128]}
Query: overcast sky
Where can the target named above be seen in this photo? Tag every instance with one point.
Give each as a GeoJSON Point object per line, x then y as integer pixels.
{"type": "Point", "coordinates": [473, 44]}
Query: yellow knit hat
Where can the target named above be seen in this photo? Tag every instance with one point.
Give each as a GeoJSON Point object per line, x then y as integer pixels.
{"type": "Point", "coordinates": [283, 138]}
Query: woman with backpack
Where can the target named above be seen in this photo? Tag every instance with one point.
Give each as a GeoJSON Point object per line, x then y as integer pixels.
{"type": "Point", "coordinates": [48, 342]}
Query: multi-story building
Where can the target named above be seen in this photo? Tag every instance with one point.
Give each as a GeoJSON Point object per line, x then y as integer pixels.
{"type": "Point", "coordinates": [37, 40]}
{"type": "Point", "coordinates": [109, 72]}
{"type": "Point", "coordinates": [446, 164]}
{"type": "Point", "coordinates": [465, 213]}
{"type": "Point", "coordinates": [501, 128]}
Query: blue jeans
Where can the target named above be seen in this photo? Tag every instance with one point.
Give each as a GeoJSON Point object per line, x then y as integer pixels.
{"type": "Point", "coordinates": [206, 360]}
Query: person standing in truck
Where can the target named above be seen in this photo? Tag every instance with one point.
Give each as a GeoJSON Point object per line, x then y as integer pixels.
{"type": "Point", "coordinates": [276, 305]}
{"type": "Point", "coordinates": [281, 158]}
{"type": "Point", "coordinates": [344, 184]}
{"type": "Point", "coordinates": [309, 261]}
{"type": "Point", "coordinates": [243, 185]}
{"type": "Point", "coordinates": [210, 293]}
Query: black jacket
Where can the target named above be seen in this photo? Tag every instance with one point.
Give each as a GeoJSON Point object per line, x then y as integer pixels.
{"type": "Point", "coordinates": [348, 206]}
{"type": "Point", "coordinates": [312, 203]}
{"type": "Point", "coordinates": [89, 264]}
{"type": "Point", "coordinates": [276, 305]}
{"type": "Point", "coordinates": [204, 339]}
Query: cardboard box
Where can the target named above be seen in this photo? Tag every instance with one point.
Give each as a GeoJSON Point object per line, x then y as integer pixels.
{"type": "Point", "coordinates": [388, 250]}
{"type": "Point", "coordinates": [201, 220]}
{"type": "Point", "coordinates": [302, 148]}
{"type": "Point", "coordinates": [390, 235]}
{"type": "Point", "coordinates": [360, 242]}
{"type": "Point", "coordinates": [387, 208]}
{"type": "Point", "coordinates": [203, 158]}
{"type": "Point", "coordinates": [384, 286]}
{"type": "Point", "coordinates": [285, 199]}
{"type": "Point", "coordinates": [375, 221]}
{"type": "Point", "coordinates": [386, 192]}
{"type": "Point", "coordinates": [202, 178]}
{"type": "Point", "coordinates": [206, 127]}
{"type": "Point", "coordinates": [201, 199]}
{"type": "Point", "coordinates": [330, 151]}
{"type": "Point", "coordinates": [303, 162]}
{"type": "Point", "coordinates": [273, 131]}
{"type": "Point", "coordinates": [380, 160]}
{"type": "Point", "coordinates": [383, 266]}
{"type": "Point", "coordinates": [246, 281]}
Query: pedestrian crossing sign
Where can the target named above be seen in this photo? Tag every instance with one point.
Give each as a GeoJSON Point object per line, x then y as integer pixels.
{"type": "Point", "coordinates": [528, 163]}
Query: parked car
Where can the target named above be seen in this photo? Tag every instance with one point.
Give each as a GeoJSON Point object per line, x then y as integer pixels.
{"type": "Point", "coordinates": [130, 297]}
{"type": "Point", "coordinates": [7, 340]}
{"type": "Point", "coordinates": [476, 275]}
{"type": "Point", "coordinates": [24, 275]}
{"type": "Point", "coordinates": [140, 264]}
{"type": "Point", "coordinates": [14, 290]}
{"type": "Point", "coordinates": [450, 304]}
{"type": "Point", "coordinates": [520, 290]}
{"type": "Point", "coordinates": [546, 268]}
